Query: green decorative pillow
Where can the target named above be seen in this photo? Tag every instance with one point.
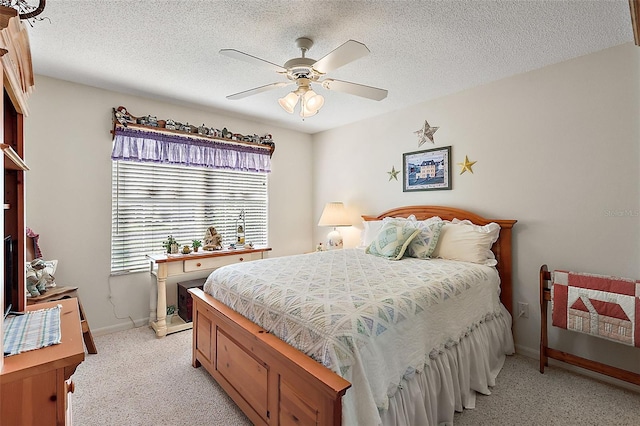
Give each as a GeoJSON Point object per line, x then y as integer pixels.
{"type": "Point", "coordinates": [425, 242]}
{"type": "Point", "coordinates": [393, 239]}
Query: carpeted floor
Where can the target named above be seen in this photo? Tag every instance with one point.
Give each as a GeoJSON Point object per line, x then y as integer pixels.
{"type": "Point", "coordinates": [138, 380]}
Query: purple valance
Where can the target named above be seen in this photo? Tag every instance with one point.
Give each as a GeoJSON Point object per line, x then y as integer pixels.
{"type": "Point", "coordinates": [155, 147]}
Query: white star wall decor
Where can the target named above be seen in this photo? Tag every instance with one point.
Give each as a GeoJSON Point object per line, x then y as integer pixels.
{"type": "Point", "coordinates": [393, 174]}
{"type": "Point", "coordinates": [426, 133]}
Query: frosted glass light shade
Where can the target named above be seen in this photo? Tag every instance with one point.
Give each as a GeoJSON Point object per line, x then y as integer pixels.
{"type": "Point", "coordinates": [313, 102]}
{"type": "Point", "coordinates": [288, 103]}
{"type": "Point", "coordinates": [304, 113]}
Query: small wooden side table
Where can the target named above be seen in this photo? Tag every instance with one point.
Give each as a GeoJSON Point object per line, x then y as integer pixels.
{"type": "Point", "coordinates": [60, 292]}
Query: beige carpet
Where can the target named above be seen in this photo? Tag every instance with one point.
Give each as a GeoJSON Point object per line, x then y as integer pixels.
{"type": "Point", "coordinates": [136, 379]}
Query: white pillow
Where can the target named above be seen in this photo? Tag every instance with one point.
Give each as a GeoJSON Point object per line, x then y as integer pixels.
{"type": "Point", "coordinates": [369, 232]}
{"type": "Point", "coordinates": [465, 241]}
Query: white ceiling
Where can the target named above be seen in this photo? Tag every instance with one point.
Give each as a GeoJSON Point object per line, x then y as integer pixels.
{"type": "Point", "coordinates": [420, 50]}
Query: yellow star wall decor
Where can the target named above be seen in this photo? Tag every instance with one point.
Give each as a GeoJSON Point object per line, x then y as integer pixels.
{"type": "Point", "coordinates": [393, 174]}
{"type": "Point", "coordinates": [466, 165]}
{"type": "Point", "coordinates": [425, 133]}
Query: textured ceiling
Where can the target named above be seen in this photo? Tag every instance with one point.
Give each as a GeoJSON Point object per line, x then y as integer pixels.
{"type": "Point", "coordinates": [420, 50]}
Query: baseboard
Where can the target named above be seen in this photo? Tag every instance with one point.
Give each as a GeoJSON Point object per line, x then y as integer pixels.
{"type": "Point", "coordinates": [120, 327]}
{"type": "Point", "coordinates": [535, 354]}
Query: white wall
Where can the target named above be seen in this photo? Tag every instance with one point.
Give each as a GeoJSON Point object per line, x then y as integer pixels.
{"type": "Point", "coordinates": [68, 148]}
{"type": "Point", "coordinates": [558, 149]}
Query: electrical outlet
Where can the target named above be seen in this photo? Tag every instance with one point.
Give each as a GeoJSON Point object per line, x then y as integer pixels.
{"type": "Point", "coordinates": [523, 310]}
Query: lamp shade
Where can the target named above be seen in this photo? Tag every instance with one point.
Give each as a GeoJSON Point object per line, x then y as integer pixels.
{"type": "Point", "coordinates": [334, 214]}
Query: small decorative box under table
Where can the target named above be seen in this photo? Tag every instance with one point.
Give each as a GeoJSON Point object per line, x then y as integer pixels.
{"type": "Point", "coordinates": [185, 302]}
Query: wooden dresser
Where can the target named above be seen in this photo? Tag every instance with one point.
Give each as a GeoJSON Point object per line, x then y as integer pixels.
{"type": "Point", "coordinates": [35, 386]}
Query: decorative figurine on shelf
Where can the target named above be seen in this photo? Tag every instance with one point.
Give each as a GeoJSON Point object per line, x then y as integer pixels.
{"type": "Point", "coordinates": [148, 120]}
{"type": "Point", "coordinates": [212, 240]}
{"type": "Point", "coordinates": [226, 134]}
{"type": "Point", "coordinates": [122, 116]}
{"type": "Point", "coordinates": [240, 226]}
{"type": "Point", "coordinates": [186, 250]}
{"type": "Point", "coordinates": [202, 130]}
{"type": "Point", "coordinates": [319, 247]}
{"type": "Point", "coordinates": [170, 244]}
{"type": "Point", "coordinates": [170, 124]}
{"type": "Point", "coordinates": [267, 140]}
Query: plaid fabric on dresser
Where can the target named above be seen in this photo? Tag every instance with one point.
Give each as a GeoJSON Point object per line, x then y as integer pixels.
{"type": "Point", "coordinates": [603, 306]}
{"type": "Point", "coordinates": [32, 330]}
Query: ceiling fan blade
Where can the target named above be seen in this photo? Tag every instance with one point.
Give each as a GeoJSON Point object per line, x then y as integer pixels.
{"type": "Point", "coordinates": [255, 91]}
{"type": "Point", "coordinates": [355, 89]}
{"type": "Point", "coordinates": [236, 54]}
{"type": "Point", "coordinates": [342, 55]}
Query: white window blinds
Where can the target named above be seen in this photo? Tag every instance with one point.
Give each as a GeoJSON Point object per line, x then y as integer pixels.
{"type": "Point", "coordinates": [152, 201]}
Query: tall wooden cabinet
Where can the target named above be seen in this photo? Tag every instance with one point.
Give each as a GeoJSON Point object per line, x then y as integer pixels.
{"type": "Point", "coordinates": [35, 386]}
{"type": "Point", "coordinates": [17, 83]}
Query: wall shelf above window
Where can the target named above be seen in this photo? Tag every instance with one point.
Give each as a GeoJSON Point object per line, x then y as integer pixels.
{"type": "Point", "coordinates": [123, 119]}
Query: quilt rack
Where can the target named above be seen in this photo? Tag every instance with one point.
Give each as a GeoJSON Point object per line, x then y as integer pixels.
{"type": "Point", "coordinates": [546, 352]}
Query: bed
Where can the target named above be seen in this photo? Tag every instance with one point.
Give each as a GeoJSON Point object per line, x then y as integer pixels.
{"type": "Point", "coordinates": [390, 371]}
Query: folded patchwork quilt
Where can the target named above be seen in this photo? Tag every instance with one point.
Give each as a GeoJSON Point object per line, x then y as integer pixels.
{"type": "Point", "coordinates": [603, 306]}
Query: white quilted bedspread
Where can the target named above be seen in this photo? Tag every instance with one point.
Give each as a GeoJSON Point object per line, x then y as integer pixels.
{"type": "Point", "coordinates": [369, 319]}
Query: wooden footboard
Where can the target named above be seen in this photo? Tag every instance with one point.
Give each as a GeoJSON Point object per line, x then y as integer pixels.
{"type": "Point", "coordinates": [272, 382]}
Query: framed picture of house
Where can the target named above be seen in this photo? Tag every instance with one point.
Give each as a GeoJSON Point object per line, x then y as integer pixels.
{"type": "Point", "coordinates": [427, 170]}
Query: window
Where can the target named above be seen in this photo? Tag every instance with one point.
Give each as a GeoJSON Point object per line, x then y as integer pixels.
{"type": "Point", "coordinates": [151, 201]}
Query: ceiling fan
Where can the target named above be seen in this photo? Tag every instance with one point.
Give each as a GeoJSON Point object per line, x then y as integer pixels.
{"type": "Point", "coordinates": [305, 71]}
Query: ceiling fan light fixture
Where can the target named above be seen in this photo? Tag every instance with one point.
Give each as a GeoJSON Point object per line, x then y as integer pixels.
{"type": "Point", "coordinates": [304, 71]}
{"type": "Point", "coordinates": [313, 101]}
{"type": "Point", "coordinates": [305, 113]}
{"type": "Point", "coordinates": [288, 103]}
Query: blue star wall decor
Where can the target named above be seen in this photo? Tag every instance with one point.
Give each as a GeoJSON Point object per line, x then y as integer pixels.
{"type": "Point", "coordinates": [426, 133]}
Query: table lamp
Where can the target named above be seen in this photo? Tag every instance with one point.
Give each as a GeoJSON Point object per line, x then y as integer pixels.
{"type": "Point", "coordinates": [334, 214]}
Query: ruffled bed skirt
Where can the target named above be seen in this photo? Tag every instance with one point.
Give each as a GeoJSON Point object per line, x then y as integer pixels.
{"type": "Point", "coordinates": [450, 381]}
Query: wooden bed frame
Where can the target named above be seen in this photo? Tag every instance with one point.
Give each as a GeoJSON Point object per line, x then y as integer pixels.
{"type": "Point", "coordinates": [274, 383]}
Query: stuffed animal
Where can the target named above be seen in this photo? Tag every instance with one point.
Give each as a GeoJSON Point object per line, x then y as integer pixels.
{"type": "Point", "coordinates": [40, 276]}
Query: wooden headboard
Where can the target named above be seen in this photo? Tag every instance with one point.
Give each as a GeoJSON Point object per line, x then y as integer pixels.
{"type": "Point", "coordinates": [501, 248]}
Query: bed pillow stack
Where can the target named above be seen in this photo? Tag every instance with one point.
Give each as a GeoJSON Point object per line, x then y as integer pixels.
{"type": "Point", "coordinates": [465, 241]}
{"type": "Point", "coordinates": [460, 240]}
